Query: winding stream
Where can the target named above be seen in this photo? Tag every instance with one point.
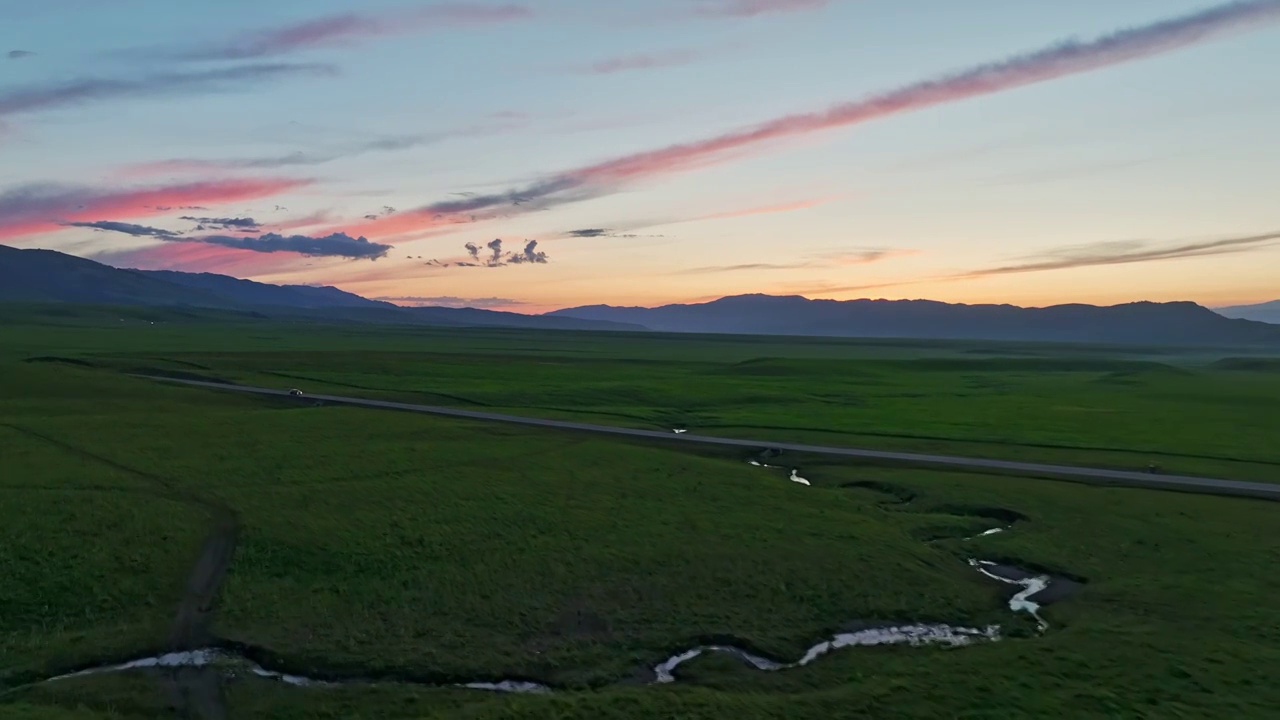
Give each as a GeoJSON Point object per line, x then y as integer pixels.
{"type": "Point", "coordinates": [795, 472]}
{"type": "Point", "coordinates": [233, 662]}
{"type": "Point", "coordinates": [901, 635]}
{"type": "Point", "coordinates": [1020, 602]}
{"type": "Point", "coordinates": [663, 673]}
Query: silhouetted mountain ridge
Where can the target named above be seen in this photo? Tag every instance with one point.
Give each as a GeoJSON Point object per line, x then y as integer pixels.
{"type": "Point", "coordinates": [46, 276]}
{"type": "Point", "coordinates": [1268, 312]}
{"type": "Point", "coordinates": [263, 294]}
{"type": "Point", "coordinates": [1175, 323]}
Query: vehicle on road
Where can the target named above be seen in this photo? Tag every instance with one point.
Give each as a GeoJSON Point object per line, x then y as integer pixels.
{"type": "Point", "coordinates": [295, 392]}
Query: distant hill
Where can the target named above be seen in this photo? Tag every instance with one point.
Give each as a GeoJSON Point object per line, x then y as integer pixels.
{"type": "Point", "coordinates": [45, 276]}
{"type": "Point", "coordinates": [48, 276]}
{"type": "Point", "coordinates": [1144, 323]}
{"type": "Point", "coordinates": [262, 294]}
{"type": "Point", "coordinates": [1268, 312]}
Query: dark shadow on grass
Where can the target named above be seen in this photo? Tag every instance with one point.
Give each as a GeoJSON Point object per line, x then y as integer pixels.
{"type": "Point", "coordinates": [60, 361]}
{"type": "Point", "coordinates": [900, 495]}
{"type": "Point", "coordinates": [176, 375]}
{"type": "Point", "coordinates": [394, 391]}
{"type": "Point", "coordinates": [1002, 515]}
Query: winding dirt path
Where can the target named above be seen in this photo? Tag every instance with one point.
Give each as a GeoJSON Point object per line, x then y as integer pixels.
{"type": "Point", "coordinates": [192, 692]}
{"type": "Point", "coordinates": [191, 624]}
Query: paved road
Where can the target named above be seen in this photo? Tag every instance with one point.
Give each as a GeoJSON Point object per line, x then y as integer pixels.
{"type": "Point", "coordinates": [1207, 486]}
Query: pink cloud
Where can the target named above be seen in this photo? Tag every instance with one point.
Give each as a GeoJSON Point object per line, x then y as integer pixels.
{"type": "Point", "coordinates": [39, 209]}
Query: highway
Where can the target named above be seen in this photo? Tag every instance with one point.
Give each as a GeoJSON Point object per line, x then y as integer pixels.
{"type": "Point", "coordinates": [1099, 476]}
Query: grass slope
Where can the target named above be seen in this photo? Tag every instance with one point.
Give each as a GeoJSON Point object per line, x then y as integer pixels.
{"type": "Point", "coordinates": [414, 548]}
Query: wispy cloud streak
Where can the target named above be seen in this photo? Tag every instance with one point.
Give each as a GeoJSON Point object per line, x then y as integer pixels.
{"type": "Point", "coordinates": [629, 230]}
{"type": "Point", "coordinates": [764, 210]}
{"type": "Point", "coordinates": [336, 245]}
{"type": "Point", "coordinates": [36, 209]}
{"type": "Point", "coordinates": [1066, 58]}
{"type": "Point", "coordinates": [640, 61]}
{"type": "Point", "coordinates": [754, 8]}
{"type": "Point", "coordinates": [239, 224]}
{"type": "Point", "coordinates": [1114, 252]}
{"type": "Point", "coordinates": [301, 158]}
{"type": "Point", "coordinates": [127, 229]}
{"type": "Point", "coordinates": [451, 301]}
{"type": "Point", "coordinates": [269, 162]}
{"type": "Point", "coordinates": [352, 28]}
{"type": "Point", "coordinates": [1124, 252]}
{"type": "Point", "coordinates": [865, 256]}
{"type": "Point", "coordinates": [19, 54]}
{"type": "Point", "coordinates": [88, 90]}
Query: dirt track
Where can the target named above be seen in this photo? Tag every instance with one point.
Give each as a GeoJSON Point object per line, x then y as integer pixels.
{"type": "Point", "coordinates": [192, 692]}
{"type": "Point", "coordinates": [191, 624]}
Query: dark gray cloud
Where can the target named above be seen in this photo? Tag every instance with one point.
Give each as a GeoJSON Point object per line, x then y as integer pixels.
{"type": "Point", "coordinates": [19, 54]}
{"type": "Point", "coordinates": [590, 233]}
{"type": "Point", "coordinates": [222, 223]}
{"type": "Point", "coordinates": [88, 90]}
{"type": "Point", "coordinates": [385, 211]}
{"type": "Point", "coordinates": [452, 302]}
{"type": "Point", "coordinates": [604, 233]}
{"type": "Point", "coordinates": [492, 255]}
{"type": "Point", "coordinates": [127, 229]}
{"type": "Point", "coordinates": [335, 245]}
{"type": "Point", "coordinates": [531, 195]}
{"type": "Point", "coordinates": [529, 255]}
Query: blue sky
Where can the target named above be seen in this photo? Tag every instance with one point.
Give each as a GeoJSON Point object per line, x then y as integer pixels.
{"type": "Point", "coordinates": [1146, 172]}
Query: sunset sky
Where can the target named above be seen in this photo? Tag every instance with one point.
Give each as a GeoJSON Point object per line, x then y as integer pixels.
{"type": "Point", "coordinates": [642, 152]}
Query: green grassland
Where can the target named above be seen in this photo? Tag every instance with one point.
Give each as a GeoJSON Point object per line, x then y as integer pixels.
{"type": "Point", "coordinates": [418, 550]}
{"type": "Point", "coordinates": [1188, 411]}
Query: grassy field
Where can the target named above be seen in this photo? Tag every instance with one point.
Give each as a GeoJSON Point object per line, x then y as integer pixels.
{"type": "Point", "coordinates": [418, 550]}
{"type": "Point", "coordinates": [1189, 412]}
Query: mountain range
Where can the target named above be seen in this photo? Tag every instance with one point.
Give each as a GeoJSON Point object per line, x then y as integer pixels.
{"type": "Point", "coordinates": [1141, 323]}
{"type": "Point", "coordinates": [46, 276]}
{"type": "Point", "coordinates": [1265, 312]}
